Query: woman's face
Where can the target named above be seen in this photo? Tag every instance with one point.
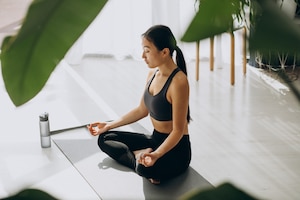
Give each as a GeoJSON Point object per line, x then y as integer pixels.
{"type": "Point", "coordinates": [151, 55]}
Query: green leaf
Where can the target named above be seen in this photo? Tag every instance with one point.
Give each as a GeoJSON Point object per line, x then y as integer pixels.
{"type": "Point", "coordinates": [31, 194]}
{"type": "Point", "coordinates": [213, 17]}
{"type": "Point", "coordinates": [50, 28]}
{"type": "Point", "coordinates": [274, 31]}
{"type": "Point", "coordinates": [223, 191]}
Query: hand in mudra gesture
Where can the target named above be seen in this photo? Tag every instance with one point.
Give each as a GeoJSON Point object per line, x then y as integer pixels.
{"type": "Point", "coordinates": [147, 159]}
{"type": "Point", "coordinates": [97, 128]}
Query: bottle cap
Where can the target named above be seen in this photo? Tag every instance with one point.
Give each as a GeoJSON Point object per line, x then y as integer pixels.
{"type": "Point", "coordinates": [44, 116]}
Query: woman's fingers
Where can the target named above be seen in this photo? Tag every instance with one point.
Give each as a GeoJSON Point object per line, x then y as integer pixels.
{"type": "Point", "coordinates": [95, 124]}
{"type": "Point", "coordinates": [92, 128]}
{"type": "Point", "coordinates": [145, 159]}
{"type": "Point", "coordinates": [97, 128]}
{"type": "Point", "coordinates": [148, 161]}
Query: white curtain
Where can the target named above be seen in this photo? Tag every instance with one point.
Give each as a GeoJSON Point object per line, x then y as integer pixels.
{"type": "Point", "coordinates": [117, 29]}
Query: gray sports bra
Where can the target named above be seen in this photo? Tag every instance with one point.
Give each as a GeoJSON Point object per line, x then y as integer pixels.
{"type": "Point", "coordinates": [158, 105]}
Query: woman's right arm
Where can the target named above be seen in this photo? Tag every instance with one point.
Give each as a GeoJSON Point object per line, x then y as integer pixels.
{"type": "Point", "coordinates": [134, 115]}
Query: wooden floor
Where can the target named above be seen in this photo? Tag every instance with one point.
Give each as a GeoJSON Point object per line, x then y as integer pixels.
{"type": "Point", "coordinates": [247, 134]}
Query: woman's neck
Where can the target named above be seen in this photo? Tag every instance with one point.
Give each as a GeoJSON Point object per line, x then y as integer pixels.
{"type": "Point", "coordinates": [167, 68]}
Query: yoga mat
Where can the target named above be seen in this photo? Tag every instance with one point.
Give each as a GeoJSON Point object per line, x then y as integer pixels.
{"type": "Point", "coordinates": [111, 180]}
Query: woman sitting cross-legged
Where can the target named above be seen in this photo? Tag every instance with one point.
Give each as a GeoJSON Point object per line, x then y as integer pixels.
{"type": "Point", "coordinates": [167, 152]}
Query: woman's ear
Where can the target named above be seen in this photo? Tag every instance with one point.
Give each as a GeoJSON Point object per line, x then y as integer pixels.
{"type": "Point", "coordinates": [166, 51]}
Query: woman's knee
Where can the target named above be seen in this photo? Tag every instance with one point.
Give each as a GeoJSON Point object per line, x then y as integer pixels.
{"type": "Point", "coordinates": [101, 140]}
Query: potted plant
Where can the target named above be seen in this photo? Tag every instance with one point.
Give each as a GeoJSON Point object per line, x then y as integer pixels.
{"type": "Point", "coordinates": [63, 21]}
{"type": "Point", "coordinates": [269, 25]}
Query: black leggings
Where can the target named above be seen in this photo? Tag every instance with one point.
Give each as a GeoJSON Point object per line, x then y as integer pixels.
{"type": "Point", "coordinates": [120, 145]}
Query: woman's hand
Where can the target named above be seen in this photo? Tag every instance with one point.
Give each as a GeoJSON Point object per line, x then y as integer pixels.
{"type": "Point", "coordinates": [98, 128]}
{"type": "Point", "coordinates": [148, 159]}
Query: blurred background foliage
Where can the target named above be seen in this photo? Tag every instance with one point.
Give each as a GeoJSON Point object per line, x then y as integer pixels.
{"type": "Point", "coordinates": [274, 36]}
{"type": "Point", "coordinates": [271, 29]}
{"type": "Point", "coordinates": [51, 27]}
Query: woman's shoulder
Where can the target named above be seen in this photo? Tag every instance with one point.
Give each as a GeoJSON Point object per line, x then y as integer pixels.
{"type": "Point", "coordinates": [151, 73]}
{"type": "Point", "coordinates": [180, 78]}
{"type": "Point", "coordinates": [179, 87]}
{"type": "Point", "coordinates": [180, 81]}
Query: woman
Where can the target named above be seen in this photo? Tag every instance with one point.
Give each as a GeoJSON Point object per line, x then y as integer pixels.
{"type": "Point", "coordinates": [167, 152]}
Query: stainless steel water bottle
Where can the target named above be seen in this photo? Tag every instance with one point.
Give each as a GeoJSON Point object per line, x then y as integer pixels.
{"type": "Point", "coordinates": [45, 130]}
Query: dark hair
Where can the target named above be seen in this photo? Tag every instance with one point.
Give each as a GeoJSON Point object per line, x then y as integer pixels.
{"type": "Point", "coordinates": [162, 37]}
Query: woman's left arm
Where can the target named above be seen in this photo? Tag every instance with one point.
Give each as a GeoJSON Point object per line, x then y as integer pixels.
{"type": "Point", "coordinates": [178, 95]}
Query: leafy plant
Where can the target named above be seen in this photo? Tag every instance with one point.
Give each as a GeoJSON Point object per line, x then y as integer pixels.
{"type": "Point", "coordinates": [270, 25]}
{"type": "Point", "coordinates": [50, 28]}
{"type": "Point", "coordinates": [215, 17]}
{"type": "Point", "coordinates": [271, 30]}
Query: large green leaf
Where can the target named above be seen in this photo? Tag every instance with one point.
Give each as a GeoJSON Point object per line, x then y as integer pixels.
{"type": "Point", "coordinates": [50, 28]}
{"type": "Point", "coordinates": [223, 191]}
{"type": "Point", "coordinates": [273, 30]}
{"type": "Point", "coordinates": [213, 17]}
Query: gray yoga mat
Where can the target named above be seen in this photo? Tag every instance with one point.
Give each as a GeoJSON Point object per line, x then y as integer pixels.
{"type": "Point", "coordinates": [111, 180]}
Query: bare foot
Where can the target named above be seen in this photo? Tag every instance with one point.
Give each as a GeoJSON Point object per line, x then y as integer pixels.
{"type": "Point", "coordinates": [154, 181]}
